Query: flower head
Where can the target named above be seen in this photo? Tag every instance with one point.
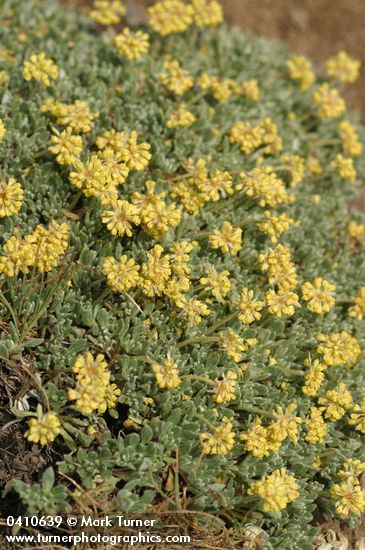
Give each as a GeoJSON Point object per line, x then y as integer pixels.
{"type": "Point", "coordinates": [41, 68]}
{"type": "Point", "coordinates": [11, 197]}
{"type": "Point", "coordinates": [276, 490]}
{"type": "Point", "coordinates": [43, 429]}
{"type": "Point", "coordinates": [220, 442]}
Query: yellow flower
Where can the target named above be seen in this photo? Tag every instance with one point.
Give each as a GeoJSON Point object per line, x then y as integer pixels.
{"type": "Point", "coordinates": [218, 283]}
{"type": "Point", "coordinates": [356, 230]}
{"type": "Point", "coordinates": [263, 185]}
{"type": "Point", "coordinates": [40, 68]}
{"type": "Point", "coordinates": [4, 77]}
{"type": "Point", "coordinates": [170, 16]}
{"type": "Point", "coordinates": [66, 146]}
{"type": "Point", "coordinates": [88, 369]}
{"type": "Point", "coordinates": [113, 167]}
{"type": "Point", "coordinates": [167, 374]}
{"type": "Point", "coordinates": [351, 143]}
{"type": "Point", "coordinates": [133, 45]}
{"type": "Point", "coordinates": [285, 424]}
{"type": "Point", "coordinates": [193, 309]}
{"type": "Point", "coordinates": [316, 427]}
{"type": "Point", "coordinates": [175, 78]}
{"type": "Point", "coordinates": [329, 102]}
{"type": "Point", "coordinates": [281, 270]}
{"type": "Point", "coordinates": [107, 12]}
{"type": "Point", "coordinates": [301, 70]}
{"type": "Point", "coordinates": [349, 498]}
{"type": "Point", "coordinates": [358, 310]}
{"type": "Point", "coordinates": [257, 440]}
{"type": "Point", "coordinates": [358, 417]}
{"type": "Point", "coordinates": [314, 166]}
{"type": "Point", "coordinates": [89, 398]}
{"type": "Point", "coordinates": [120, 218]}
{"type": "Point", "coordinates": [112, 392]}
{"type": "Point", "coordinates": [232, 344]}
{"type": "Point", "coordinates": [275, 225]}
{"type": "Point", "coordinates": [248, 137]}
{"type": "Point", "coordinates": [225, 390]}
{"type": "Point", "coordinates": [294, 164]}
{"type": "Point", "coordinates": [343, 67]}
{"type": "Point", "coordinates": [339, 348]}
{"type": "Point", "coordinates": [313, 377]}
{"type": "Point", "coordinates": [250, 89]}
{"type": "Point", "coordinates": [155, 272]}
{"type": "Point", "coordinates": [18, 256]}
{"type": "Point", "coordinates": [249, 307]}
{"type": "Point", "coordinates": [77, 116]}
{"type": "Point", "coordinates": [207, 13]}
{"type": "Point", "coordinates": [180, 118]}
{"type": "Point", "coordinates": [48, 244]}
{"type": "Point", "coordinates": [228, 239]}
{"type": "Point", "coordinates": [2, 130]}
{"type": "Point", "coordinates": [319, 295]}
{"type": "Point", "coordinates": [276, 490]}
{"type": "Point", "coordinates": [282, 302]}
{"type": "Point", "coordinates": [352, 469]}
{"type": "Point", "coordinates": [345, 168]}
{"type": "Point", "coordinates": [270, 138]}
{"type": "Point", "coordinates": [220, 442]}
{"type": "Point", "coordinates": [43, 429]}
{"type": "Point", "coordinates": [11, 197]}
{"type": "Point", "coordinates": [336, 402]}
{"type": "Point", "coordinates": [122, 275]}
{"type": "Point", "coordinates": [136, 155]}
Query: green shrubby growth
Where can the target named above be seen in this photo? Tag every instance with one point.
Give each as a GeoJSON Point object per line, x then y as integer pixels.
{"type": "Point", "coordinates": [181, 276]}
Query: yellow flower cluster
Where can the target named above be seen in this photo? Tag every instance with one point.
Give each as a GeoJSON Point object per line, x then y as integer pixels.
{"type": "Point", "coordinates": [265, 186]}
{"type": "Point", "coordinates": [358, 309]}
{"type": "Point", "coordinates": [319, 294]}
{"type": "Point", "coordinates": [132, 45]}
{"type": "Point", "coordinates": [201, 187]}
{"type": "Point", "coordinates": [107, 12]}
{"type": "Point", "coordinates": [225, 390]}
{"type": "Point", "coordinates": [167, 374]}
{"type": "Point", "coordinates": [77, 116]}
{"type": "Point", "coordinates": [343, 67]}
{"type": "Point", "coordinates": [313, 377]}
{"type": "Point", "coordinates": [223, 88]}
{"type": "Point", "coordinates": [281, 302]}
{"type": "Point", "coordinates": [41, 249]}
{"type": "Point", "coordinates": [330, 103]}
{"type": "Point", "coordinates": [249, 307]}
{"type": "Point", "coordinates": [274, 226]}
{"type": "Point", "coordinates": [351, 143]}
{"type": "Point", "coordinates": [181, 117]}
{"type": "Point", "coordinates": [276, 490]}
{"type": "Point", "coordinates": [345, 168]}
{"type": "Point", "coordinates": [260, 441]}
{"type": "Point", "coordinates": [66, 146]}
{"type": "Point", "coordinates": [4, 77]}
{"type": "Point", "coordinates": [301, 70]}
{"type": "Point", "coordinates": [93, 391]}
{"type": "Point", "coordinates": [316, 427]}
{"type": "Point", "coordinates": [348, 495]}
{"type": "Point", "coordinates": [220, 442]}
{"type": "Point", "coordinates": [336, 402]}
{"type": "Point", "coordinates": [175, 78]}
{"type": "Point", "coordinates": [281, 271]}
{"type": "Point", "coordinates": [43, 429]}
{"type": "Point", "coordinates": [358, 417]}
{"type": "Point", "coordinates": [356, 230]}
{"type": "Point", "coordinates": [40, 68]}
{"type": "Point", "coordinates": [11, 197]}
{"type": "Point", "coordinates": [233, 344]}
{"type": "Point", "coordinates": [122, 275]}
{"type": "Point", "coordinates": [295, 165]}
{"type": "Point", "coordinates": [218, 283]}
{"type": "Point", "coordinates": [2, 130]}
{"type": "Point", "coordinates": [251, 137]}
{"type": "Point", "coordinates": [172, 16]}
{"type": "Point", "coordinates": [228, 239]}
{"type": "Point", "coordinates": [339, 348]}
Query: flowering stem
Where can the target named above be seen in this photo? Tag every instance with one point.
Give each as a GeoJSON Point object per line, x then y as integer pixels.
{"type": "Point", "coordinates": [222, 322]}
{"type": "Point", "coordinates": [255, 410]}
{"type": "Point", "coordinates": [196, 340]}
{"type": "Point", "coordinates": [205, 421]}
{"type": "Point", "coordinates": [197, 377]}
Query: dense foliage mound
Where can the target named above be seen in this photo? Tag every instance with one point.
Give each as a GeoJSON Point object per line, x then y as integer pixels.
{"type": "Point", "coordinates": [182, 281]}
